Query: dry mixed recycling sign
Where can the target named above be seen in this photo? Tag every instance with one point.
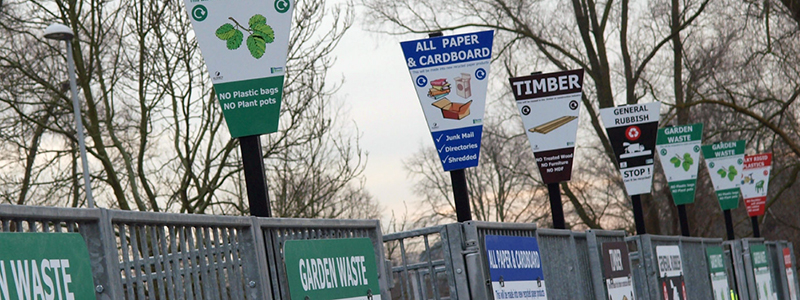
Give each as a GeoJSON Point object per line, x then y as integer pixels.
{"type": "Point", "coordinates": [725, 161]}
{"type": "Point", "coordinates": [450, 74]}
{"type": "Point", "coordinates": [632, 132]}
{"type": "Point", "coordinates": [335, 269]}
{"type": "Point", "coordinates": [244, 44]}
{"type": "Point", "coordinates": [755, 182]}
{"type": "Point", "coordinates": [550, 105]}
{"type": "Point", "coordinates": [44, 266]}
{"type": "Point", "coordinates": [679, 150]}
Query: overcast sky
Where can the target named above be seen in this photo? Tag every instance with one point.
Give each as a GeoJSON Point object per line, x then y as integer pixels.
{"type": "Point", "coordinates": [381, 98]}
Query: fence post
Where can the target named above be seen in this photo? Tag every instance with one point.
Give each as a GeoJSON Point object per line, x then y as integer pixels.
{"type": "Point", "coordinates": [473, 258]}
{"type": "Point", "coordinates": [103, 255]}
{"type": "Point", "coordinates": [595, 264]}
{"type": "Point", "coordinates": [254, 261]}
{"type": "Point", "coordinates": [455, 240]}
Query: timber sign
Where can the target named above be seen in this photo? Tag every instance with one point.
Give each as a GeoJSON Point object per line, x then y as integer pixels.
{"type": "Point", "coordinates": [335, 269]}
{"type": "Point", "coordinates": [244, 44]}
{"type": "Point", "coordinates": [45, 266]}
{"type": "Point", "coordinates": [550, 105]}
{"type": "Point", "coordinates": [632, 132]}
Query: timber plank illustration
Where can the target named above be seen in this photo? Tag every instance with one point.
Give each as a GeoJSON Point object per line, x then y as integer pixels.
{"type": "Point", "coordinates": [552, 125]}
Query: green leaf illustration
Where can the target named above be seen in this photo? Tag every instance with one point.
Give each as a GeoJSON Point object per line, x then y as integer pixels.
{"type": "Point", "coordinates": [236, 40]}
{"type": "Point", "coordinates": [732, 173]}
{"type": "Point", "coordinates": [265, 31]}
{"type": "Point", "coordinates": [686, 165]}
{"type": "Point", "coordinates": [256, 20]}
{"type": "Point", "coordinates": [722, 173]}
{"type": "Point", "coordinates": [226, 31]}
{"type": "Point", "coordinates": [687, 158]}
{"type": "Point", "coordinates": [675, 161]}
{"type": "Point", "coordinates": [256, 44]}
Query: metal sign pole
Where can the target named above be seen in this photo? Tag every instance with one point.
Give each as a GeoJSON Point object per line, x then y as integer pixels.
{"type": "Point", "coordinates": [556, 206]}
{"type": "Point", "coordinates": [638, 214]}
{"type": "Point", "coordinates": [729, 224]}
{"type": "Point", "coordinates": [683, 220]}
{"type": "Point", "coordinates": [254, 176]}
{"type": "Point", "coordinates": [460, 194]}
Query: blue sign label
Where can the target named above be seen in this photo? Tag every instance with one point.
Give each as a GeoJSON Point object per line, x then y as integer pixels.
{"type": "Point", "coordinates": [515, 268]}
{"type": "Point", "coordinates": [458, 148]}
{"type": "Point", "coordinates": [513, 258]}
{"type": "Point", "coordinates": [446, 50]}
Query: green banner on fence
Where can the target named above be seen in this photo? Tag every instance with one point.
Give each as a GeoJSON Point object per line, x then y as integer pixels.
{"type": "Point", "coordinates": [332, 269]}
{"type": "Point", "coordinates": [44, 266]}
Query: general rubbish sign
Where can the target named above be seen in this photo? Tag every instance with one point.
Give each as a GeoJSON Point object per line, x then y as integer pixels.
{"type": "Point", "coordinates": [550, 105]}
{"type": "Point", "coordinates": [719, 278]}
{"type": "Point", "coordinates": [515, 267]}
{"type": "Point", "coordinates": [632, 131]}
{"type": "Point", "coordinates": [334, 269]}
{"type": "Point", "coordinates": [679, 150]}
{"type": "Point", "coordinates": [755, 182]}
{"type": "Point", "coordinates": [244, 44]}
{"type": "Point", "coordinates": [45, 266]}
{"type": "Point", "coordinates": [670, 271]}
{"type": "Point", "coordinates": [725, 161]}
{"type": "Point", "coordinates": [450, 74]}
{"type": "Point", "coordinates": [617, 271]}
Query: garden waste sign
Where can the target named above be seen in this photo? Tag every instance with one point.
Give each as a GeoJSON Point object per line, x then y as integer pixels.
{"type": "Point", "coordinates": [679, 150]}
{"type": "Point", "coordinates": [44, 266]}
{"type": "Point", "coordinates": [244, 44]}
{"type": "Point", "coordinates": [725, 161]}
{"type": "Point", "coordinates": [451, 75]}
{"type": "Point", "coordinates": [343, 269]}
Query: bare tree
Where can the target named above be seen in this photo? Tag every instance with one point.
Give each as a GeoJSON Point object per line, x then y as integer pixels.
{"type": "Point", "coordinates": [155, 133]}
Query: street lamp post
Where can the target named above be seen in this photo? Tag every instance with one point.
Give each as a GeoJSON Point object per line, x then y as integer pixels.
{"type": "Point", "coordinates": [61, 32]}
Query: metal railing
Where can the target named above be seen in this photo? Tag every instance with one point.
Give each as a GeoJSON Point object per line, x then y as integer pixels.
{"type": "Point", "coordinates": [145, 255]}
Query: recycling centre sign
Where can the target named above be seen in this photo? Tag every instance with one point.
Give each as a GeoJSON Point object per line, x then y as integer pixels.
{"type": "Point", "coordinates": [244, 44]}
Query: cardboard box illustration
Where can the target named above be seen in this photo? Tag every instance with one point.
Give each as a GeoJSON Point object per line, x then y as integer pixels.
{"type": "Point", "coordinates": [463, 88]}
{"type": "Point", "coordinates": [450, 110]}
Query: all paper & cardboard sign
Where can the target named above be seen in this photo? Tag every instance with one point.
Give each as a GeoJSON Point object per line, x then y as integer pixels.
{"type": "Point", "coordinates": [515, 267]}
{"type": "Point", "coordinates": [764, 288]}
{"type": "Point", "coordinates": [725, 161]}
{"type": "Point", "coordinates": [670, 272]}
{"type": "Point", "coordinates": [632, 131]}
{"type": "Point", "coordinates": [617, 271]}
{"type": "Point", "coordinates": [755, 182]}
{"type": "Point", "coordinates": [550, 105]}
{"type": "Point", "coordinates": [450, 74]}
{"type": "Point", "coordinates": [335, 269]}
{"type": "Point", "coordinates": [790, 279]}
{"type": "Point", "coordinates": [719, 278]}
{"type": "Point", "coordinates": [244, 44]}
{"type": "Point", "coordinates": [679, 150]}
{"type": "Point", "coordinates": [45, 266]}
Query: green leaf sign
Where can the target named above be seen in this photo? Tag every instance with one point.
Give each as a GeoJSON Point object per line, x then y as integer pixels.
{"type": "Point", "coordinates": [726, 160]}
{"type": "Point", "coordinates": [245, 46]}
{"type": "Point", "coordinates": [679, 149]}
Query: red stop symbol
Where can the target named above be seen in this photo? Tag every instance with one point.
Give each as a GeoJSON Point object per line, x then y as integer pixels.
{"type": "Point", "coordinates": [633, 133]}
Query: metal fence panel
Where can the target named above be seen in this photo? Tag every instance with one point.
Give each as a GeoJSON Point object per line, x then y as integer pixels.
{"type": "Point", "coordinates": [179, 256]}
{"type": "Point", "coordinates": [278, 231]}
{"type": "Point", "coordinates": [693, 256]}
{"type": "Point", "coordinates": [423, 264]}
